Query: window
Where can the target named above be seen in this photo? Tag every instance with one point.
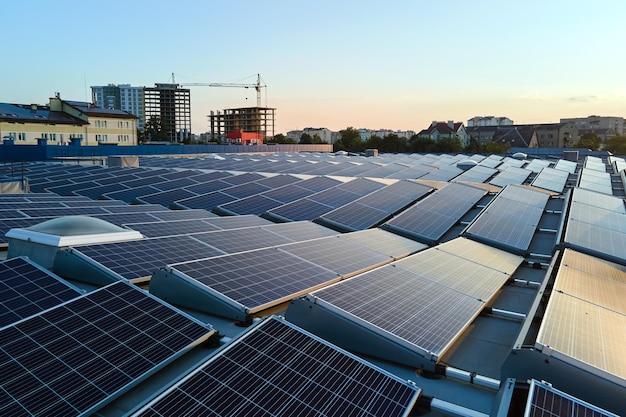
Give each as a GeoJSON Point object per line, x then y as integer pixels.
{"type": "Point", "coordinates": [105, 123]}
{"type": "Point", "coordinates": [22, 136]}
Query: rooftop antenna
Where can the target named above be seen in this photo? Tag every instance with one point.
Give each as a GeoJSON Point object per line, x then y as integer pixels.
{"type": "Point", "coordinates": [173, 79]}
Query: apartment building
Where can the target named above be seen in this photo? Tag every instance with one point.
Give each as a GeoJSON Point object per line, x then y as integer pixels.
{"type": "Point", "coordinates": [603, 126]}
{"type": "Point", "coordinates": [121, 97]}
{"type": "Point", "coordinates": [479, 121]}
{"type": "Point", "coordinates": [62, 122]}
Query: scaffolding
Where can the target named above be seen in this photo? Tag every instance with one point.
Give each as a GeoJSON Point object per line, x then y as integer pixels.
{"type": "Point", "coordinates": [247, 125]}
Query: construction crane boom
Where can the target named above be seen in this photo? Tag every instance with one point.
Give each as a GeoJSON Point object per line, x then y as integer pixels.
{"type": "Point", "coordinates": [258, 86]}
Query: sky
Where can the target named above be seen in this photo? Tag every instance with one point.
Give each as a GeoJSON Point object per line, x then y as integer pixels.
{"type": "Point", "coordinates": [327, 63]}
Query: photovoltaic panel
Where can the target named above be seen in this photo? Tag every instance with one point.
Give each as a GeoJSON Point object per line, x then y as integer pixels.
{"type": "Point", "coordinates": [444, 173]}
{"type": "Point", "coordinates": [303, 209]}
{"type": "Point", "coordinates": [374, 208]}
{"type": "Point", "coordinates": [207, 187]}
{"type": "Point", "coordinates": [594, 280]}
{"type": "Point", "coordinates": [319, 183]}
{"type": "Point", "coordinates": [68, 211]}
{"type": "Point", "coordinates": [431, 218]}
{"type": "Point", "coordinates": [11, 214]}
{"type": "Point", "coordinates": [234, 222]}
{"type": "Point", "coordinates": [206, 201]}
{"type": "Point", "coordinates": [551, 179]}
{"type": "Point", "coordinates": [596, 181]}
{"type": "Point", "coordinates": [537, 165]}
{"type": "Point", "coordinates": [279, 181]}
{"type": "Point", "coordinates": [97, 192]}
{"type": "Point", "coordinates": [239, 240]}
{"type": "Point", "coordinates": [476, 174]}
{"type": "Point", "coordinates": [174, 184]}
{"type": "Point", "coordinates": [166, 198]}
{"type": "Point", "coordinates": [425, 300]}
{"type": "Point", "coordinates": [567, 166]}
{"type": "Point", "coordinates": [143, 208]}
{"type": "Point", "coordinates": [546, 401]}
{"type": "Point", "coordinates": [259, 278]}
{"type": "Point", "coordinates": [580, 332]}
{"type": "Point", "coordinates": [131, 195]}
{"type": "Point", "coordinates": [605, 243]}
{"type": "Point", "coordinates": [182, 215]}
{"type": "Point", "coordinates": [288, 365]}
{"type": "Point", "coordinates": [508, 221]}
{"type": "Point", "coordinates": [245, 190]}
{"type": "Point", "coordinates": [598, 217]}
{"type": "Point", "coordinates": [511, 175]}
{"type": "Point", "coordinates": [26, 289]}
{"type": "Point", "coordinates": [339, 255]}
{"type": "Point", "coordinates": [243, 178]}
{"type": "Point", "coordinates": [91, 203]}
{"type": "Point", "coordinates": [300, 231]}
{"type": "Point", "coordinates": [73, 359]}
{"type": "Point", "coordinates": [256, 204]}
{"type": "Point", "coordinates": [14, 205]}
{"type": "Point", "coordinates": [490, 163]}
{"type": "Point", "coordinates": [141, 258]}
{"type": "Point", "coordinates": [384, 242]}
{"type": "Point", "coordinates": [594, 199]}
{"type": "Point", "coordinates": [171, 228]}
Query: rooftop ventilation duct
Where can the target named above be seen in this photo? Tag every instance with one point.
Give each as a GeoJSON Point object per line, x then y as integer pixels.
{"type": "Point", "coordinates": [41, 242]}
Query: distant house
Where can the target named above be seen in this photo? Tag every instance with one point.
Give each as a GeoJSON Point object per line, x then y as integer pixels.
{"type": "Point", "coordinates": [514, 136]}
{"type": "Point", "coordinates": [446, 130]}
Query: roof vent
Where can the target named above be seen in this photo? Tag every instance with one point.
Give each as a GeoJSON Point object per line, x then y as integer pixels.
{"type": "Point", "coordinates": [42, 241]}
{"type": "Point", "coordinates": [466, 164]}
{"type": "Point", "coordinates": [519, 155]}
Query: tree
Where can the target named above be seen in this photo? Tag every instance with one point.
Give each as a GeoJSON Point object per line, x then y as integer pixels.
{"type": "Point", "coordinates": [421, 144]}
{"type": "Point", "coordinates": [281, 139]}
{"type": "Point", "coordinates": [589, 141]}
{"type": "Point", "coordinates": [473, 146]}
{"type": "Point", "coordinates": [350, 140]}
{"type": "Point", "coordinates": [305, 139]}
{"type": "Point", "coordinates": [448, 144]}
{"type": "Point", "coordinates": [316, 139]}
{"type": "Point", "coordinates": [153, 129]}
{"type": "Point", "coordinates": [617, 145]}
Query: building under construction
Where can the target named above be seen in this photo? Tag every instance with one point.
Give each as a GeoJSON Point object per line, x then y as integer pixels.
{"type": "Point", "coordinates": [245, 125]}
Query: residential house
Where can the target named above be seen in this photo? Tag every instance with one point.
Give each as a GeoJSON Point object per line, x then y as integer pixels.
{"type": "Point", "coordinates": [446, 130]}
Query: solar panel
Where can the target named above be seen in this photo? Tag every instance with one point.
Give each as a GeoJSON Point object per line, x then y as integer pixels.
{"type": "Point", "coordinates": [339, 255]}
{"type": "Point", "coordinates": [206, 201]}
{"type": "Point", "coordinates": [598, 217]}
{"type": "Point", "coordinates": [243, 178]}
{"type": "Point", "coordinates": [256, 204]}
{"type": "Point", "coordinates": [171, 228]}
{"type": "Point", "coordinates": [68, 211]}
{"type": "Point", "coordinates": [567, 166]}
{"type": "Point", "coordinates": [476, 174]}
{"type": "Point", "coordinates": [140, 258]}
{"type": "Point", "coordinates": [551, 179]}
{"type": "Point", "coordinates": [546, 401]}
{"type": "Point", "coordinates": [259, 278]}
{"type": "Point", "coordinates": [596, 181]}
{"type": "Point", "coordinates": [431, 218]}
{"type": "Point", "coordinates": [303, 209]}
{"type": "Point", "coordinates": [131, 195]}
{"type": "Point", "coordinates": [510, 176]}
{"type": "Point", "coordinates": [166, 198]}
{"type": "Point", "coordinates": [14, 205]}
{"type": "Point", "coordinates": [174, 184]}
{"type": "Point", "coordinates": [26, 289]}
{"type": "Point", "coordinates": [300, 231]}
{"type": "Point", "coordinates": [319, 183]}
{"type": "Point", "coordinates": [11, 214]}
{"type": "Point", "coordinates": [444, 173]}
{"type": "Point", "coordinates": [426, 299]}
{"type": "Point", "coordinates": [591, 198]}
{"type": "Point", "coordinates": [374, 208]}
{"type": "Point", "coordinates": [537, 165]}
{"type": "Point", "coordinates": [97, 192]}
{"type": "Point", "coordinates": [235, 222]}
{"type": "Point", "coordinates": [605, 243]}
{"type": "Point", "coordinates": [143, 208]}
{"type": "Point", "coordinates": [182, 215]}
{"type": "Point", "coordinates": [577, 331]}
{"type": "Point", "coordinates": [288, 365]}
{"type": "Point", "coordinates": [239, 240]}
{"type": "Point", "coordinates": [510, 220]}
{"type": "Point", "coordinates": [245, 190]}
{"type": "Point", "coordinates": [73, 359]}
{"type": "Point", "coordinates": [384, 242]}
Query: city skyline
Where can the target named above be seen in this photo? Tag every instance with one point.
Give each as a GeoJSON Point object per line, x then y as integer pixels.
{"type": "Point", "coordinates": [336, 65]}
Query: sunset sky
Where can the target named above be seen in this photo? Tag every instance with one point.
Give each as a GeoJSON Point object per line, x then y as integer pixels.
{"type": "Point", "coordinates": [374, 64]}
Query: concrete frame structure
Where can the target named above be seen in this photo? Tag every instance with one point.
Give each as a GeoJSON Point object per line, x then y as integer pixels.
{"type": "Point", "coordinates": [243, 125]}
{"type": "Point", "coordinates": [172, 105]}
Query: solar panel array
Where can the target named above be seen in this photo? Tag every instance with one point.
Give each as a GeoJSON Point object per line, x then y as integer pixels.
{"type": "Point", "coordinates": [26, 289]}
{"type": "Point", "coordinates": [432, 217]}
{"type": "Point", "coordinates": [511, 219]}
{"type": "Point", "coordinates": [261, 278]}
{"type": "Point", "coordinates": [139, 259]}
{"type": "Point", "coordinates": [279, 370]}
{"type": "Point", "coordinates": [567, 166]}
{"type": "Point", "coordinates": [476, 174]}
{"type": "Point", "coordinates": [596, 225]}
{"type": "Point", "coordinates": [374, 208]}
{"type": "Point", "coordinates": [546, 401]}
{"type": "Point", "coordinates": [72, 359]}
{"type": "Point", "coordinates": [427, 299]}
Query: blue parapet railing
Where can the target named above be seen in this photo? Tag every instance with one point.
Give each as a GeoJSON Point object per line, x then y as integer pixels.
{"type": "Point", "coordinates": [42, 152]}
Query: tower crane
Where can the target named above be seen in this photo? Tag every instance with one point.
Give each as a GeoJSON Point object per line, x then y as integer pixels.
{"type": "Point", "coordinates": [258, 86]}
